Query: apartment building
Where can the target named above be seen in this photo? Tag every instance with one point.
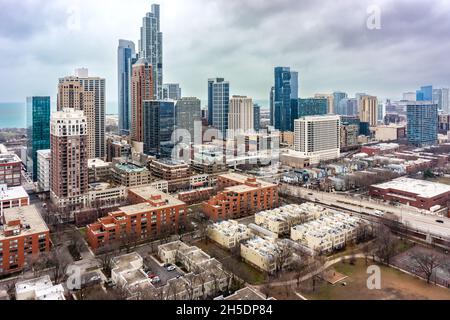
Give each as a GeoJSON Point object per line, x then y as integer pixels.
{"type": "Point", "coordinates": [318, 137]}
{"type": "Point", "coordinates": [368, 110]}
{"type": "Point", "coordinates": [240, 197]}
{"type": "Point", "coordinates": [327, 233]}
{"type": "Point", "coordinates": [102, 193]}
{"type": "Point", "coordinates": [196, 195]}
{"type": "Point", "coordinates": [176, 173]}
{"type": "Point", "coordinates": [262, 253]}
{"type": "Point", "coordinates": [280, 220]}
{"type": "Point", "coordinates": [228, 233]}
{"type": "Point", "coordinates": [11, 197]}
{"type": "Point", "coordinates": [10, 168]}
{"type": "Point", "coordinates": [152, 213]}
{"type": "Point", "coordinates": [40, 288]}
{"type": "Point", "coordinates": [129, 174]}
{"type": "Point", "coordinates": [43, 169]}
{"type": "Point", "coordinates": [117, 147]}
{"type": "Point", "coordinates": [99, 170]}
{"type": "Point", "coordinates": [23, 235]}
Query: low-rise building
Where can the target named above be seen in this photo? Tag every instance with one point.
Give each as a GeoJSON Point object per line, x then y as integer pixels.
{"type": "Point", "coordinates": [417, 193]}
{"type": "Point", "coordinates": [11, 197]}
{"type": "Point", "coordinates": [176, 173]}
{"type": "Point", "coordinates": [196, 195]}
{"type": "Point", "coordinates": [263, 253]}
{"type": "Point", "coordinates": [380, 148]}
{"type": "Point", "coordinates": [10, 168]}
{"type": "Point", "coordinates": [152, 214]}
{"type": "Point", "coordinates": [99, 170]}
{"type": "Point", "coordinates": [40, 288]}
{"type": "Point", "coordinates": [240, 199]}
{"type": "Point", "coordinates": [280, 220]}
{"type": "Point", "coordinates": [228, 233]}
{"type": "Point", "coordinates": [294, 159]}
{"type": "Point", "coordinates": [327, 233]}
{"type": "Point", "coordinates": [102, 193]}
{"type": "Point", "coordinates": [246, 293]}
{"type": "Point", "coordinates": [391, 132]}
{"type": "Point", "coordinates": [129, 174]}
{"type": "Point", "coordinates": [24, 234]}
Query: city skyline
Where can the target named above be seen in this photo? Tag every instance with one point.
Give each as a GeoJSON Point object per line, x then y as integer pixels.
{"type": "Point", "coordinates": [328, 54]}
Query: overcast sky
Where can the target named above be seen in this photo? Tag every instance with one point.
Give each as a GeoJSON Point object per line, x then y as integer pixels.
{"type": "Point", "coordinates": [327, 42]}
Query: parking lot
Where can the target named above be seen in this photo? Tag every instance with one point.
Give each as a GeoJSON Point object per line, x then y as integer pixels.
{"type": "Point", "coordinates": [156, 268]}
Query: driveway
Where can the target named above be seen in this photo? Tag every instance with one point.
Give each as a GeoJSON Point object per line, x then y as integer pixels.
{"type": "Point", "coordinates": [151, 263]}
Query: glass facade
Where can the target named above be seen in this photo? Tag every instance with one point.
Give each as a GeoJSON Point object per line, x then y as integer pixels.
{"type": "Point", "coordinates": [285, 96]}
{"type": "Point", "coordinates": [422, 124]}
{"type": "Point", "coordinates": [38, 130]}
{"type": "Point", "coordinates": [312, 107]}
{"type": "Point", "coordinates": [425, 93]}
{"type": "Point", "coordinates": [256, 117]}
{"type": "Point", "coordinates": [126, 56]}
{"type": "Point", "coordinates": [159, 124]}
{"type": "Point", "coordinates": [218, 104]}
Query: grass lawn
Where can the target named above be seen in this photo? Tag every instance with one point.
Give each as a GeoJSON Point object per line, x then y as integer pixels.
{"type": "Point", "coordinates": [395, 285]}
{"type": "Point", "coordinates": [82, 231]}
{"type": "Point", "coordinates": [232, 263]}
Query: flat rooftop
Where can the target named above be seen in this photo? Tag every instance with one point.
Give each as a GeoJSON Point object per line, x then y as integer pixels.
{"type": "Point", "coordinates": [11, 193]}
{"type": "Point", "coordinates": [246, 293]}
{"type": "Point", "coordinates": [150, 194]}
{"type": "Point", "coordinates": [421, 188]}
{"type": "Point", "coordinates": [29, 217]}
{"type": "Point", "coordinates": [97, 163]}
{"type": "Point", "coordinates": [243, 178]}
{"type": "Point", "coordinates": [130, 167]}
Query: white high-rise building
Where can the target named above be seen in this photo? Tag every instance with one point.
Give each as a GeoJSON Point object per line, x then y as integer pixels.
{"type": "Point", "coordinates": [43, 169]}
{"type": "Point", "coordinates": [318, 137]}
{"type": "Point", "coordinates": [240, 115]}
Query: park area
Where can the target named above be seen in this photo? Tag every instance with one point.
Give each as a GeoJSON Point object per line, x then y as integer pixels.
{"type": "Point", "coordinates": [395, 285]}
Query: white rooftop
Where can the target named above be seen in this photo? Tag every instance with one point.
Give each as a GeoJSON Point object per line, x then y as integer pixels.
{"type": "Point", "coordinates": [422, 188]}
{"type": "Point", "coordinates": [12, 193]}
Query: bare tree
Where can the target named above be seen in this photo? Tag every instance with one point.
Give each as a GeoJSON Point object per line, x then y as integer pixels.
{"type": "Point", "coordinates": [385, 244]}
{"type": "Point", "coordinates": [106, 259]}
{"type": "Point", "coordinates": [59, 264]}
{"type": "Point", "coordinates": [283, 252]}
{"type": "Point", "coordinates": [299, 266]}
{"type": "Point", "coordinates": [426, 263]}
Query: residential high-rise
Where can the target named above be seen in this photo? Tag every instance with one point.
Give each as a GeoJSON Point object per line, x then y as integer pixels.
{"type": "Point", "coordinates": [368, 110]}
{"type": "Point", "coordinates": [422, 124]}
{"type": "Point", "coordinates": [188, 116]}
{"type": "Point", "coordinates": [337, 97]}
{"type": "Point", "coordinates": [348, 107]}
{"type": "Point", "coordinates": [318, 137]}
{"type": "Point", "coordinates": [311, 107]}
{"type": "Point", "coordinates": [256, 117]}
{"type": "Point", "coordinates": [43, 169]}
{"type": "Point", "coordinates": [330, 100]}
{"type": "Point", "coordinates": [69, 161]}
{"type": "Point", "coordinates": [141, 89]}
{"type": "Point", "coordinates": [441, 98]}
{"type": "Point", "coordinates": [38, 130]}
{"type": "Point", "coordinates": [158, 127]}
{"type": "Point", "coordinates": [271, 106]}
{"type": "Point", "coordinates": [240, 116]}
{"type": "Point", "coordinates": [151, 48]}
{"type": "Point", "coordinates": [359, 97]}
{"type": "Point", "coordinates": [171, 91]}
{"type": "Point", "coordinates": [218, 104]}
{"type": "Point", "coordinates": [126, 56]}
{"type": "Point", "coordinates": [82, 92]}
{"type": "Point", "coordinates": [425, 93]}
{"type": "Point", "coordinates": [285, 91]}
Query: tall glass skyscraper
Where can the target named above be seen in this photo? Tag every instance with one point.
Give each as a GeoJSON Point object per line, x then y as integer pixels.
{"type": "Point", "coordinates": [422, 127]}
{"type": "Point", "coordinates": [285, 90]}
{"type": "Point", "coordinates": [425, 93]}
{"type": "Point", "coordinates": [126, 56]}
{"type": "Point", "coordinates": [256, 117]}
{"type": "Point", "coordinates": [158, 126]}
{"type": "Point", "coordinates": [151, 47]}
{"type": "Point", "coordinates": [312, 107]}
{"type": "Point", "coordinates": [337, 97]}
{"type": "Point", "coordinates": [38, 130]}
{"type": "Point", "coordinates": [218, 104]}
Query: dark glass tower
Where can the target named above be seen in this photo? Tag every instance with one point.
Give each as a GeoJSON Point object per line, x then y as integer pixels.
{"type": "Point", "coordinates": [38, 130]}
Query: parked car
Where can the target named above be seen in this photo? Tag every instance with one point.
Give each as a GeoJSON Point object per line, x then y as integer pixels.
{"type": "Point", "coordinates": [151, 275]}
{"type": "Point", "coordinates": [171, 268]}
{"type": "Point", "coordinates": [165, 265]}
{"type": "Point", "coordinates": [439, 221]}
{"type": "Point", "coordinates": [155, 279]}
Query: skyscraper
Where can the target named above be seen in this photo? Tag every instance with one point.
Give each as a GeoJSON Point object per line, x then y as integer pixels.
{"type": "Point", "coordinates": [285, 90]}
{"type": "Point", "coordinates": [368, 110]}
{"type": "Point", "coordinates": [271, 106]}
{"type": "Point", "coordinates": [126, 56]}
{"type": "Point", "coordinates": [171, 91]}
{"type": "Point", "coordinates": [422, 124]}
{"type": "Point", "coordinates": [218, 104]}
{"type": "Point", "coordinates": [68, 163]}
{"type": "Point", "coordinates": [337, 97]}
{"type": "Point", "coordinates": [141, 89]}
{"type": "Point", "coordinates": [330, 100]}
{"type": "Point", "coordinates": [151, 48]}
{"type": "Point", "coordinates": [425, 93]}
{"type": "Point", "coordinates": [188, 115]}
{"type": "Point", "coordinates": [256, 117]}
{"type": "Point", "coordinates": [82, 92]}
{"type": "Point", "coordinates": [38, 130]}
{"type": "Point", "coordinates": [158, 127]}
{"type": "Point", "coordinates": [240, 116]}
{"type": "Point", "coordinates": [348, 107]}
{"type": "Point", "coordinates": [312, 107]}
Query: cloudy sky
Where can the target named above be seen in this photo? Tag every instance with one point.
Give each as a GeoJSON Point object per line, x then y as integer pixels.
{"type": "Point", "coordinates": [327, 42]}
